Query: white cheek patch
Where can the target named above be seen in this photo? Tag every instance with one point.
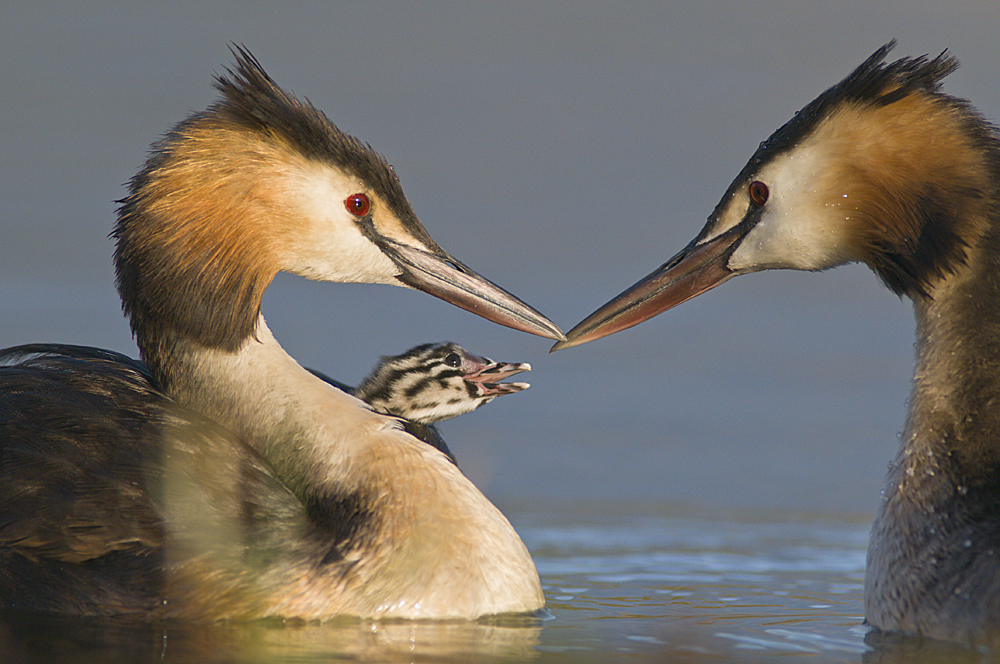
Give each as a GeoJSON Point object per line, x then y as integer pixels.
{"type": "Point", "coordinates": [797, 229]}
{"type": "Point", "coordinates": [325, 242]}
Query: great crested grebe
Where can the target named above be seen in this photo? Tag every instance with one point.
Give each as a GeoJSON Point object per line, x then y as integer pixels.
{"type": "Point", "coordinates": [431, 383]}
{"type": "Point", "coordinates": [886, 170]}
{"type": "Point", "coordinates": [227, 481]}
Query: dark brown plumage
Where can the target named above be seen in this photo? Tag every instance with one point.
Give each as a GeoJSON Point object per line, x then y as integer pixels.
{"type": "Point", "coordinates": [85, 523]}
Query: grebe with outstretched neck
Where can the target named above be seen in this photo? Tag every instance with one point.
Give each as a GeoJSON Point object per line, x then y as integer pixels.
{"type": "Point", "coordinates": [226, 481]}
{"type": "Point", "coordinates": [886, 170]}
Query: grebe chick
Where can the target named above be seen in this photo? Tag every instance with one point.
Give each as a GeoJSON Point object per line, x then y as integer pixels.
{"type": "Point", "coordinates": [219, 479]}
{"type": "Point", "coordinates": [885, 169]}
{"type": "Point", "coordinates": [432, 383]}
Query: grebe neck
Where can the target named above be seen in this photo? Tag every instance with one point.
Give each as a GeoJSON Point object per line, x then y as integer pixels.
{"type": "Point", "coordinates": [309, 431]}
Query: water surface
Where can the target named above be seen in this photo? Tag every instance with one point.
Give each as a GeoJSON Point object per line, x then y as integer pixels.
{"type": "Point", "coordinates": [624, 584]}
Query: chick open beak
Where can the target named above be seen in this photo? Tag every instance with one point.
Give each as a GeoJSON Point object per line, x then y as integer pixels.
{"type": "Point", "coordinates": [487, 379]}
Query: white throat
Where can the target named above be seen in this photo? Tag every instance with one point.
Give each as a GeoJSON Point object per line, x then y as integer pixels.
{"type": "Point", "coordinates": [311, 432]}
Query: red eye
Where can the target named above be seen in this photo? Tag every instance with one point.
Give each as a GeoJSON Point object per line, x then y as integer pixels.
{"type": "Point", "coordinates": [758, 192]}
{"type": "Point", "coordinates": [358, 204]}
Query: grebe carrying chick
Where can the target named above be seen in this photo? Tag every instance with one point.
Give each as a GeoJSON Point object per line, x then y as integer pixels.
{"type": "Point", "coordinates": [226, 481]}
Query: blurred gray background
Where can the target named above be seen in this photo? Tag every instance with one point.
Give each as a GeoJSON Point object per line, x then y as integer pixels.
{"type": "Point", "coordinates": [563, 150]}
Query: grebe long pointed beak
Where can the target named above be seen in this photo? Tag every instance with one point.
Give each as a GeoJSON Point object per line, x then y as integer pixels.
{"type": "Point", "coordinates": [692, 271]}
{"type": "Point", "coordinates": [442, 276]}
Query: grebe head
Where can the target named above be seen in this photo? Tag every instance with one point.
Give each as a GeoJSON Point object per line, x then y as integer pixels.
{"type": "Point", "coordinates": [261, 182]}
{"type": "Point", "coordinates": [435, 382]}
{"type": "Point", "coordinates": [882, 169]}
